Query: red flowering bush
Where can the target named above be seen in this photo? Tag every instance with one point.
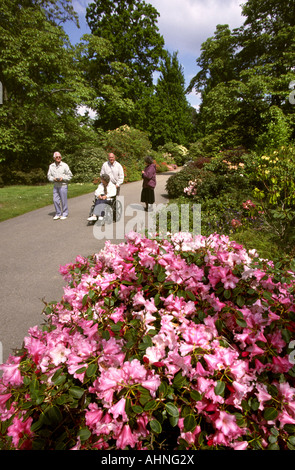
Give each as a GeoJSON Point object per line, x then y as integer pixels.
{"type": "Point", "coordinates": [181, 343]}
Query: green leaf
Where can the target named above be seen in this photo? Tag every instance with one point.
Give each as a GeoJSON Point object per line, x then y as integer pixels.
{"type": "Point", "coordinates": [173, 420]}
{"type": "Point", "coordinates": [85, 300]}
{"type": "Point", "coordinates": [155, 426]}
{"type": "Point", "coordinates": [227, 294]}
{"type": "Point", "coordinates": [150, 405]}
{"type": "Point", "coordinates": [161, 277]}
{"type": "Point", "coordinates": [191, 295]}
{"type": "Point", "coordinates": [84, 434]}
{"type": "Point", "coordinates": [137, 409]}
{"type": "Point", "coordinates": [241, 323]}
{"type": "Point", "coordinates": [195, 395]}
{"type": "Point", "coordinates": [240, 301]}
{"type": "Point", "coordinates": [52, 416]}
{"type": "Point", "coordinates": [163, 389]}
{"type": "Point", "coordinates": [91, 294]}
{"type": "Point", "coordinates": [189, 423]}
{"type": "Point", "coordinates": [270, 414]}
{"type": "Point", "coordinates": [179, 380]}
{"type": "Point", "coordinates": [76, 392]}
{"type": "Point", "coordinates": [157, 299]}
{"type": "Point", "coordinates": [172, 410]}
{"type": "Point", "coordinates": [219, 388]}
{"type": "Point", "coordinates": [91, 370]}
{"type": "Point", "coordinates": [116, 327]}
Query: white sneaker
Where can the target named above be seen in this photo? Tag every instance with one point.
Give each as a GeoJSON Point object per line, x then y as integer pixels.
{"type": "Point", "coordinates": [56, 217]}
{"type": "Point", "coordinates": [100, 218]}
{"type": "Point", "coordinates": [63, 217]}
{"type": "Point", "coordinates": [92, 217]}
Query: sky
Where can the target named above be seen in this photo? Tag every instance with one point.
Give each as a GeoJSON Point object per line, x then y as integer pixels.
{"type": "Point", "coordinates": [184, 25]}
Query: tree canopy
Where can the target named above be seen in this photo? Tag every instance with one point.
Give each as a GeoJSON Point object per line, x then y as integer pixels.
{"type": "Point", "coordinates": [130, 27]}
{"type": "Point", "coordinates": [40, 84]}
{"type": "Point", "coordinates": [245, 74]}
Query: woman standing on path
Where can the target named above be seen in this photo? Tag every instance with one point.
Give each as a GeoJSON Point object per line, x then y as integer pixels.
{"type": "Point", "coordinates": [149, 183]}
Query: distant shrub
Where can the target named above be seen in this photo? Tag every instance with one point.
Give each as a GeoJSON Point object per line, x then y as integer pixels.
{"type": "Point", "coordinates": [130, 147]}
{"type": "Point", "coordinates": [31, 177]}
{"type": "Point", "coordinates": [86, 164]}
{"type": "Point", "coordinates": [177, 153]}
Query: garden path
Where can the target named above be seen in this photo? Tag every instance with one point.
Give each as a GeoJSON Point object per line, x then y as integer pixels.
{"type": "Point", "coordinates": [33, 246]}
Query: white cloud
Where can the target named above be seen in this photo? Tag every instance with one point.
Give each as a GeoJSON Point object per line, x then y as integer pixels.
{"type": "Point", "coordinates": [186, 24]}
{"type": "Point", "coordinates": [80, 6]}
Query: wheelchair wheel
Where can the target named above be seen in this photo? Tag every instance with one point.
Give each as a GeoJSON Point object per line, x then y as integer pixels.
{"type": "Point", "coordinates": [117, 210]}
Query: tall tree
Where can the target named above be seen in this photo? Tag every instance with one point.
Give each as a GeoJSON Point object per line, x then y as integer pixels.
{"type": "Point", "coordinates": [215, 81]}
{"type": "Point", "coordinates": [169, 114]}
{"type": "Point", "coordinates": [131, 28]}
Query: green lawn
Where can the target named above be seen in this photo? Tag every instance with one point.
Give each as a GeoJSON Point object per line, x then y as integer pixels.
{"type": "Point", "coordinates": [17, 200]}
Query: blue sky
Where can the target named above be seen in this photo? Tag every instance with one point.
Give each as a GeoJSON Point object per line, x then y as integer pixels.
{"type": "Point", "coordinates": [184, 24]}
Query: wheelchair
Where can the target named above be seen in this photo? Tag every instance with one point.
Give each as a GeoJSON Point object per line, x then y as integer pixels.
{"type": "Point", "coordinates": [113, 210]}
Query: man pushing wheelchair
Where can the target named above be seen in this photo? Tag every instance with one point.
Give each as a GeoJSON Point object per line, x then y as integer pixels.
{"type": "Point", "coordinates": [112, 176]}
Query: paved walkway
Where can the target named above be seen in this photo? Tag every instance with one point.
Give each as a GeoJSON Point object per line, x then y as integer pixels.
{"type": "Point", "coordinates": [33, 246]}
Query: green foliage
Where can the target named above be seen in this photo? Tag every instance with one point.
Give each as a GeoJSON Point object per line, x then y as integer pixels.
{"type": "Point", "coordinates": [245, 75]}
{"type": "Point", "coordinates": [86, 164]}
{"type": "Point", "coordinates": [177, 182]}
{"type": "Point", "coordinates": [122, 78]}
{"type": "Point", "coordinates": [275, 192]}
{"type": "Point", "coordinates": [34, 176]}
{"type": "Point", "coordinates": [177, 153]}
{"type": "Point", "coordinates": [167, 114]}
{"type": "Point", "coordinates": [213, 176]}
{"type": "Point", "coordinates": [40, 85]}
{"type": "Point", "coordinates": [277, 130]}
{"type": "Point", "coordinates": [130, 146]}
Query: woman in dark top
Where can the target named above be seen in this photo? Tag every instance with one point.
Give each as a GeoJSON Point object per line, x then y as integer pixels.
{"type": "Point", "coordinates": [149, 182]}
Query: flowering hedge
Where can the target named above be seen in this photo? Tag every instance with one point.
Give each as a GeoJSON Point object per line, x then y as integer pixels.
{"type": "Point", "coordinates": [181, 343]}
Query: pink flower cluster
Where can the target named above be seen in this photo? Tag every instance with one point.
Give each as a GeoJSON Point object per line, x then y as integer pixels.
{"type": "Point", "coordinates": [248, 204]}
{"type": "Point", "coordinates": [191, 189]}
{"type": "Point", "coordinates": [198, 323]}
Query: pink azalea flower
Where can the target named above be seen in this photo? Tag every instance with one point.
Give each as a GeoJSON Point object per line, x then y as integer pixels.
{"type": "Point", "coordinates": [152, 384]}
{"type": "Point", "coordinates": [240, 445]}
{"type": "Point", "coordinates": [126, 438]}
{"type": "Point", "coordinates": [4, 398]}
{"type": "Point", "coordinates": [11, 372]}
{"type": "Point", "coordinates": [119, 409]}
{"type": "Point", "coordinates": [93, 415]}
{"type": "Point", "coordinates": [59, 354]}
{"type": "Point", "coordinates": [285, 418]}
{"type": "Point", "coordinates": [19, 429]}
{"type": "Point", "coordinates": [281, 364]}
{"type": "Point", "coordinates": [226, 423]}
{"type": "Point", "coordinates": [262, 395]}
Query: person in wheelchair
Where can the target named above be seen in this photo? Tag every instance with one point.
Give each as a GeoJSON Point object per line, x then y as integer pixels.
{"type": "Point", "coordinates": [104, 193]}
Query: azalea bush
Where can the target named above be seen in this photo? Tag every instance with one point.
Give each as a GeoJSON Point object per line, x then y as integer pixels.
{"type": "Point", "coordinates": [179, 343]}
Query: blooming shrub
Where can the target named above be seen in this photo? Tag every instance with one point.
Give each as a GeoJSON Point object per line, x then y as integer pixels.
{"type": "Point", "coordinates": [181, 343]}
{"type": "Point", "coordinates": [275, 192]}
{"type": "Point", "coordinates": [191, 189]}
